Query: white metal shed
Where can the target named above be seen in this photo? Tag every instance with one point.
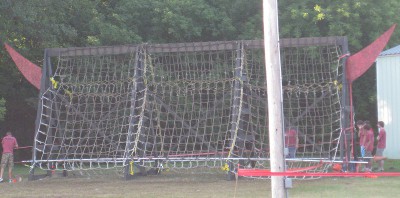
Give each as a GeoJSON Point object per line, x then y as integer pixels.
{"type": "Point", "coordinates": [388, 98]}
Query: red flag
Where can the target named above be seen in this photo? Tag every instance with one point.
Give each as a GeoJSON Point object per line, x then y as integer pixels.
{"type": "Point", "coordinates": [359, 63]}
{"type": "Point", "coordinates": [32, 72]}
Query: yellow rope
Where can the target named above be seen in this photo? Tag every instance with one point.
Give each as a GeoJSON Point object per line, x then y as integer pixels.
{"type": "Point", "coordinates": [69, 93]}
{"type": "Point", "coordinates": [225, 167]}
{"type": "Point", "coordinates": [54, 83]}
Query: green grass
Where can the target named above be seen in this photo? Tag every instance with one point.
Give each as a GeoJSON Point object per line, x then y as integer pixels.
{"type": "Point", "coordinates": [171, 184]}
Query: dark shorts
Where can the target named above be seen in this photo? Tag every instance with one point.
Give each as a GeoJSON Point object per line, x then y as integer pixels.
{"type": "Point", "coordinates": [7, 158]}
{"type": "Point", "coordinates": [292, 152]}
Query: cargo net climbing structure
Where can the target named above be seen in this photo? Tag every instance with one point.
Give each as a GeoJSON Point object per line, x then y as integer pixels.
{"type": "Point", "coordinates": [186, 105]}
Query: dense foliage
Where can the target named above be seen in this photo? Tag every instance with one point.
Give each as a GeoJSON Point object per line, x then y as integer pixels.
{"type": "Point", "coordinates": [2, 108]}
{"type": "Point", "coordinates": [33, 25]}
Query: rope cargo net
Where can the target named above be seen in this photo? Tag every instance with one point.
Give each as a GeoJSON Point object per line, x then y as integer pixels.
{"type": "Point", "coordinates": [187, 105]}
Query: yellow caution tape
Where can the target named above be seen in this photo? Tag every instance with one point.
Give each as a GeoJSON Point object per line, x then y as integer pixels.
{"type": "Point", "coordinates": [131, 168]}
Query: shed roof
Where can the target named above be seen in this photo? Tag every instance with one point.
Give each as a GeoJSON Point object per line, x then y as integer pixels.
{"type": "Point", "coordinates": [391, 51]}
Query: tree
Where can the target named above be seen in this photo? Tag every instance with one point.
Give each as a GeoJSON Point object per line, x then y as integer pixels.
{"type": "Point", "coordinates": [2, 108]}
{"type": "Point", "coordinates": [361, 21]}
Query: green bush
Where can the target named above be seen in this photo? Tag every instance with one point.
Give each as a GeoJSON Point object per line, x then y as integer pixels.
{"type": "Point", "coordinates": [2, 108]}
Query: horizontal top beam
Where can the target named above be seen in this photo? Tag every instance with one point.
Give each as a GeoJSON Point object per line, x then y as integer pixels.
{"type": "Point", "coordinates": [192, 47]}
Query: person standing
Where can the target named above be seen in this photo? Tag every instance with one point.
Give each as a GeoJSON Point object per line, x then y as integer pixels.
{"type": "Point", "coordinates": [361, 135]}
{"type": "Point", "coordinates": [291, 142]}
{"type": "Point", "coordinates": [369, 146]}
{"type": "Point", "coordinates": [9, 143]}
{"type": "Point", "coordinates": [381, 144]}
{"type": "Point", "coordinates": [361, 140]}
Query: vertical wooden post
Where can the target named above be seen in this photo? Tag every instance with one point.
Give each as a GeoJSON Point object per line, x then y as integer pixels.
{"type": "Point", "coordinates": [274, 90]}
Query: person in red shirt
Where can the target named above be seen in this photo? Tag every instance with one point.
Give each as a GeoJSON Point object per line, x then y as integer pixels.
{"type": "Point", "coordinates": [9, 143]}
{"type": "Point", "coordinates": [361, 135]}
{"type": "Point", "coordinates": [369, 146]}
{"type": "Point", "coordinates": [381, 144]}
{"type": "Point", "coordinates": [291, 142]}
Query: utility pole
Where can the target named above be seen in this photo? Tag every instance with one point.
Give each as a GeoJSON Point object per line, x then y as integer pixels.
{"type": "Point", "coordinates": [274, 90]}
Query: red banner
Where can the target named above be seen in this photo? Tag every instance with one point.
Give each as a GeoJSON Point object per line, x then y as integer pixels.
{"type": "Point", "coordinates": [360, 62]}
{"type": "Point", "coordinates": [30, 71]}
